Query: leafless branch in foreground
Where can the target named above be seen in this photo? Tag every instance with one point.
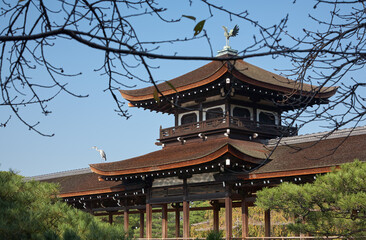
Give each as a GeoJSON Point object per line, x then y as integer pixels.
{"type": "Point", "coordinates": [30, 28]}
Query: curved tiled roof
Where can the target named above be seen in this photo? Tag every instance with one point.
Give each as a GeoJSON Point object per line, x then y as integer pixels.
{"type": "Point", "coordinates": [78, 184]}
{"type": "Point", "coordinates": [302, 155]}
{"type": "Point", "coordinates": [182, 156]}
{"type": "Point", "coordinates": [195, 78]}
{"type": "Point", "coordinates": [318, 154]}
{"type": "Point", "coordinates": [242, 70]}
{"type": "Point", "coordinates": [262, 78]}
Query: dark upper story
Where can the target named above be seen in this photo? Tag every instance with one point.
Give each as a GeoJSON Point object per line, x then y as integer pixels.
{"type": "Point", "coordinates": [233, 98]}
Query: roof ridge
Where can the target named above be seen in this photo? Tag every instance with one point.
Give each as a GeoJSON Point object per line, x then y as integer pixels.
{"type": "Point", "coordinates": [311, 137]}
{"type": "Point", "coordinates": [59, 174]}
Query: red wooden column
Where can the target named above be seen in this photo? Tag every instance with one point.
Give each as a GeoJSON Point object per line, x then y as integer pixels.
{"type": "Point", "coordinates": [110, 218]}
{"type": "Point", "coordinates": [244, 220]}
{"type": "Point", "coordinates": [148, 221]}
{"type": "Point", "coordinates": [177, 222]}
{"type": "Point", "coordinates": [267, 223]}
{"type": "Point", "coordinates": [126, 220]}
{"type": "Point", "coordinates": [164, 223]}
{"type": "Point", "coordinates": [185, 219]}
{"type": "Point", "coordinates": [142, 224]}
{"type": "Point", "coordinates": [228, 217]}
{"type": "Point", "coordinates": [216, 218]}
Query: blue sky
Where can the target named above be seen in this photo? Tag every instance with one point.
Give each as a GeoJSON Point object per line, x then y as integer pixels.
{"type": "Point", "coordinates": [79, 124]}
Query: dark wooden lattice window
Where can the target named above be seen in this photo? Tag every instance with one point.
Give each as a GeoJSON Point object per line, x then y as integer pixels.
{"type": "Point", "coordinates": [241, 112]}
{"type": "Point", "coordinates": [189, 118]}
{"type": "Point", "coordinates": [267, 118]}
{"type": "Point", "coordinates": [214, 113]}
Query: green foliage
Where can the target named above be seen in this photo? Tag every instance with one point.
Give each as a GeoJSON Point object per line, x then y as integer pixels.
{"type": "Point", "coordinates": [214, 235]}
{"type": "Point", "coordinates": [199, 27]}
{"type": "Point", "coordinates": [156, 95]}
{"type": "Point", "coordinates": [171, 85]}
{"type": "Point", "coordinates": [70, 235]}
{"type": "Point", "coordinates": [50, 235]}
{"type": "Point", "coordinates": [333, 205]}
{"type": "Point", "coordinates": [189, 17]}
{"type": "Point", "coordinates": [31, 210]}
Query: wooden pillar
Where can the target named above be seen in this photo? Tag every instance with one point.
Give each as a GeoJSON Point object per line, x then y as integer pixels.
{"type": "Point", "coordinates": [126, 221]}
{"type": "Point", "coordinates": [148, 221]}
{"type": "Point", "coordinates": [164, 223]}
{"type": "Point", "coordinates": [185, 219]}
{"type": "Point", "coordinates": [255, 115]}
{"type": "Point", "coordinates": [244, 220]}
{"type": "Point", "coordinates": [267, 223]}
{"type": "Point", "coordinates": [228, 217]}
{"type": "Point", "coordinates": [176, 123]}
{"type": "Point", "coordinates": [177, 222]}
{"type": "Point", "coordinates": [227, 101]}
{"type": "Point", "coordinates": [110, 218]}
{"type": "Point", "coordinates": [216, 218]}
{"type": "Point", "coordinates": [200, 115]}
{"type": "Point", "coordinates": [142, 224]}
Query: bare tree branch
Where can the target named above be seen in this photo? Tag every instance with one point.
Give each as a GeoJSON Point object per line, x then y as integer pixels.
{"type": "Point", "coordinates": [322, 57]}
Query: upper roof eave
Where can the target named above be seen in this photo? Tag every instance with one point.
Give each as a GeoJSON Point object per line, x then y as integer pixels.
{"type": "Point", "coordinates": [242, 70]}
{"type": "Point", "coordinates": [196, 78]}
{"type": "Point", "coordinates": [265, 79]}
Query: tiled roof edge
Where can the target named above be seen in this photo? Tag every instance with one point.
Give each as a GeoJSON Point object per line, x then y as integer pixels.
{"type": "Point", "coordinates": [59, 174]}
{"type": "Point", "coordinates": [318, 136]}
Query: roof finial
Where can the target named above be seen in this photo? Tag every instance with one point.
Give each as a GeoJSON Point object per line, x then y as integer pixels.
{"type": "Point", "coordinates": [233, 32]}
{"type": "Point", "coordinates": [227, 49]}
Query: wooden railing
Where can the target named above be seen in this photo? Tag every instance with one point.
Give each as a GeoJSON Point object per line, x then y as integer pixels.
{"type": "Point", "coordinates": [227, 122]}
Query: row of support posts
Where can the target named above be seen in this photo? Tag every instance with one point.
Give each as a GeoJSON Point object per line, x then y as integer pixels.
{"type": "Point", "coordinates": [165, 221]}
{"type": "Point", "coordinates": [216, 209]}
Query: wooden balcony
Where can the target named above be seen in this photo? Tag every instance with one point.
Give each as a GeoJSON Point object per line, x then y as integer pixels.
{"type": "Point", "coordinates": [228, 122]}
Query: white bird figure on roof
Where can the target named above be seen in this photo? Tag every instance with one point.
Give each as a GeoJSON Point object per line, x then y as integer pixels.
{"type": "Point", "coordinates": [102, 153]}
{"type": "Point", "coordinates": [233, 32]}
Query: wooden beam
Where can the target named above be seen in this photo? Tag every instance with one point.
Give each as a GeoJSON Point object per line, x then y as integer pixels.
{"type": "Point", "coordinates": [103, 211]}
{"type": "Point", "coordinates": [164, 223]}
{"type": "Point", "coordinates": [228, 218]}
{"type": "Point", "coordinates": [142, 224]}
{"type": "Point", "coordinates": [192, 198]}
{"type": "Point", "coordinates": [267, 223]}
{"type": "Point", "coordinates": [126, 221]}
{"type": "Point", "coordinates": [116, 209]}
{"type": "Point", "coordinates": [301, 172]}
{"type": "Point", "coordinates": [148, 221]}
{"type": "Point", "coordinates": [185, 219]}
{"type": "Point", "coordinates": [244, 219]}
{"type": "Point", "coordinates": [177, 222]}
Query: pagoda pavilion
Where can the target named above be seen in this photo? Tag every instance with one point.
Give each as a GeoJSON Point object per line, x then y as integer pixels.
{"type": "Point", "coordinates": [223, 148]}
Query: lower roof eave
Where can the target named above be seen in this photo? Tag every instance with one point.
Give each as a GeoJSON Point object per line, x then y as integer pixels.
{"type": "Point", "coordinates": [175, 165]}
{"type": "Point", "coordinates": [215, 154]}
{"type": "Point", "coordinates": [289, 173]}
{"type": "Point", "coordinates": [91, 192]}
